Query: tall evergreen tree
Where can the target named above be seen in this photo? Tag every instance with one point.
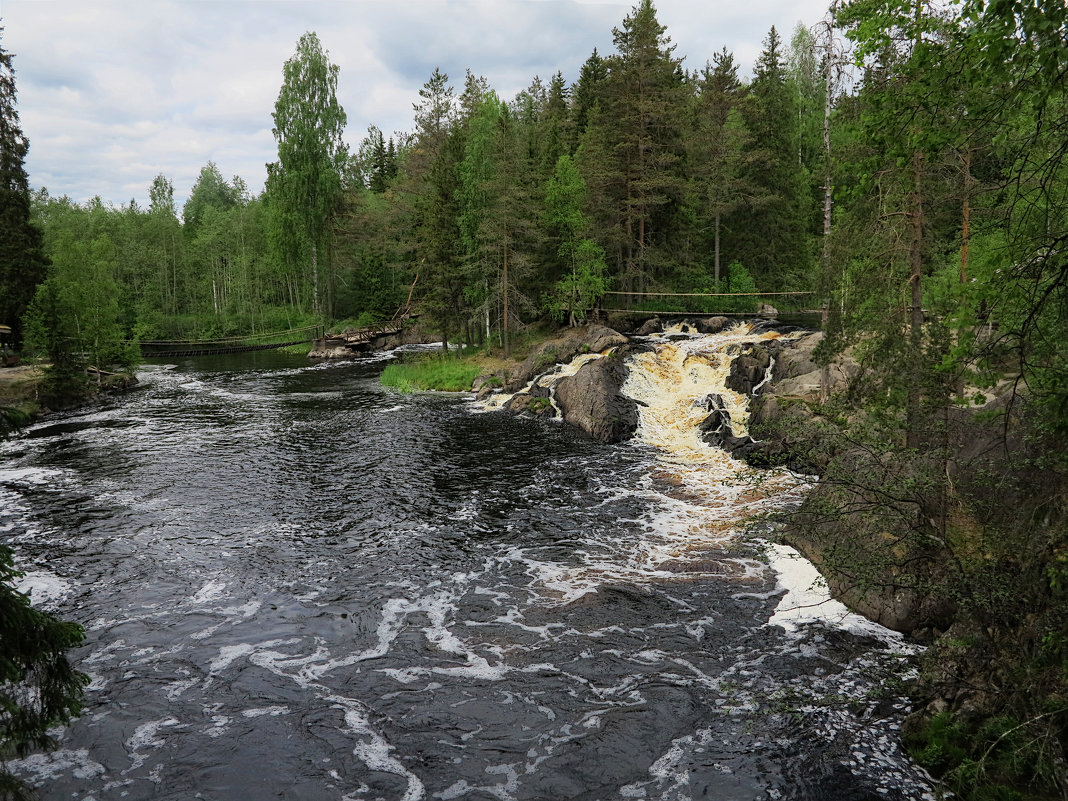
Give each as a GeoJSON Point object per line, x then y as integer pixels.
{"type": "Point", "coordinates": [304, 185]}
{"type": "Point", "coordinates": [587, 93]}
{"type": "Point", "coordinates": [645, 103]}
{"type": "Point", "coordinates": [22, 262]}
{"type": "Point", "coordinates": [719, 145]}
{"type": "Point", "coordinates": [775, 247]}
{"type": "Point", "coordinates": [432, 208]}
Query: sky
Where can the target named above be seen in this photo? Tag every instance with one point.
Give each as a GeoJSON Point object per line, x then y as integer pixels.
{"type": "Point", "coordinates": [112, 93]}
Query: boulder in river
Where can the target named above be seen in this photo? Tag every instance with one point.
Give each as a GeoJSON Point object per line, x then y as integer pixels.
{"type": "Point", "coordinates": [591, 400]}
{"type": "Point", "coordinates": [749, 369]}
{"type": "Point", "coordinates": [561, 350]}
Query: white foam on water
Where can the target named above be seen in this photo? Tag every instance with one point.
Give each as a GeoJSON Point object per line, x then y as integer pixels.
{"type": "Point", "coordinates": [30, 476]}
{"type": "Point", "coordinates": [53, 765]}
{"type": "Point", "coordinates": [46, 590]}
{"type": "Point", "coordinates": [144, 737]}
{"type": "Point", "coordinates": [373, 749]}
{"type": "Point", "coordinates": [808, 600]}
{"type": "Point", "coordinates": [273, 711]}
{"type": "Point", "coordinates": [208, 593]}
{"type": "Point", "coordinates": [228, 654]}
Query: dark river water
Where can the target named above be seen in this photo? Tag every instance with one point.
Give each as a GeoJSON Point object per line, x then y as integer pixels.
{"type": "Point", "coordinates": [296, 584]}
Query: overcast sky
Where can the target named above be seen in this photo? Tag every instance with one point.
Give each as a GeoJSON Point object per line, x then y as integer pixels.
{"type": "Point", "coordinates": [113, 93]}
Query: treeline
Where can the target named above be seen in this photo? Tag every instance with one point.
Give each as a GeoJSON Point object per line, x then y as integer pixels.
{"type": "Point", "coordinates": [913, 192]}
{"type": "Point", "coordinates": [640, 176]}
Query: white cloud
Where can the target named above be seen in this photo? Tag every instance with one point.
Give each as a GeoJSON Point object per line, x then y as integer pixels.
{"type": "Point", "coordinates": [113, 92]}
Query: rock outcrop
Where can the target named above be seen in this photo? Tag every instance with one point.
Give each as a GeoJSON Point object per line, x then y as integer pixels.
{"type": "Point", "coordinates": [591, 400]}
{"type": "Point", "coordinates": [561, 350]}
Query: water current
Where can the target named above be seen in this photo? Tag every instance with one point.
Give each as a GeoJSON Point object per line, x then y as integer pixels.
{"type": "Point", "coordinates": [297, 584]}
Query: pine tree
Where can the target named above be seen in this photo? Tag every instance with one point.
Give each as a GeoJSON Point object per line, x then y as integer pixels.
{"type": "Point", "coordinates": [22, 263]}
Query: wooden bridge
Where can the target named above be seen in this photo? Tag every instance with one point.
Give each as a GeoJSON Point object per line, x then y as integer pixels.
{"type": "Point", "coordinates": [176, 348]}
{"type": "Point", "coordinates": [725, 304]}
{"type": "Point", "coordinates": [361, 339]}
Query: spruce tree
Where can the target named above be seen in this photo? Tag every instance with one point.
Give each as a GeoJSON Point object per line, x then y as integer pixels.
{"type": "Point", "coordinates": [22, 262]}
{"type": "Point", "coordinates": [645, 104]}
{"type": "Point", "coordinates": [587, 93]}
{"type": "Point", "coordinates": [774, 246]}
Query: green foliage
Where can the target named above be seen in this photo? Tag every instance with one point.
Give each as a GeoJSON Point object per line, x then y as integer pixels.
{"type": "Point", "coordinates": [442, 373]}
{"type": "Point", "coordinates": [583, 285]}
{"type": "Point", "coordinates": [304, 185]}
{"type": "Point", "coordinates": [11, 420]}
{"type": "Point", "coordinates": [739, 281]}
{"type": "Point", "coordinates": [22, 263]}
{"type": "Point", "coordinates": [987, 762]}
{"type": "Point", "coordinates": [38, 687]}
{"type": "Point", "coordinates": [576, 294]}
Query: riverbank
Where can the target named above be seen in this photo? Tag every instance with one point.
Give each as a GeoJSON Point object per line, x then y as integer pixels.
{"type": "Point", "coordinates": [959, 542]}
{"type": "Point", "coordinates": [25, 389]}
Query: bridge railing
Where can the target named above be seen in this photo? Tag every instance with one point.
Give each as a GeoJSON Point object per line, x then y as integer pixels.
{"type": "Point", "coordinates": [235, 344]}
{"type": "Point", "coordinates": [705, 303]}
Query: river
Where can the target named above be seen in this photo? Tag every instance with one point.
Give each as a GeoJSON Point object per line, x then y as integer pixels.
{"type": "Point", "coordinates": [297, 584]}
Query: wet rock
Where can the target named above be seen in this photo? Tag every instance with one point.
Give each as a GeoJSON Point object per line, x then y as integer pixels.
{"type": "Point", "coordinates": [717, 426]}
{"type": "Point", "coordinates": [536, 402]}
{"type": "Point", "coordinates": [653, 326]}
{"type": "Point", "coordinates": [591, 400]}
{"type": "Point", "coordinates": [748, 370]}
{"type": "Point", "coordinates": [712, 325]}
{"type": "Point", "coordinates": [561, 350]}
{"type": "Point", "coordinates": [486, 382]}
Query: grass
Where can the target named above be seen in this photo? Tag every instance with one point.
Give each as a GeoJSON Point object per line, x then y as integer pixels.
{"type": "Point", "coordinates": [442, 373]}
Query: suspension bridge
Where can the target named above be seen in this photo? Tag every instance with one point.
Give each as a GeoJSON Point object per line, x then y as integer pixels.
{"type": "Point", "coordinates": [176, 348]}
{"type": "Point", "coordinates": [725, 304]}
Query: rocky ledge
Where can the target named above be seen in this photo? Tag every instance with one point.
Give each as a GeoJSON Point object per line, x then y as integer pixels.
{"type": "Point", "coordinates": [590, 399]}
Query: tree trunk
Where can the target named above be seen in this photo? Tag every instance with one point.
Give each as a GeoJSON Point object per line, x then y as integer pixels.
{"type": "Point", "coordinates": [504, 278]}
{"type": "Point", "coordinates": [966, 213]}
{"type": "Point", "coordinates": [717, 250]}
{"type": "Point", "coordinates": [916, 312]}
{"type": "Point", "coordinates": [315, 280]}
{"type": "Point", "coordinates": [828, 87]}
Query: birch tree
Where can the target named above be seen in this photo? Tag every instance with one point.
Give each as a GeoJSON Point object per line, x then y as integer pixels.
{"type": "Point", "coordinates": [304, 185]}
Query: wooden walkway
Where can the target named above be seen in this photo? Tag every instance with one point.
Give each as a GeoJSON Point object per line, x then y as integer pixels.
{"type": "Point", "coordinates": [701, 304]}
{"type": "Point", "coordinates": [179, 348]}
{"type": "Point", "coordinates": [360, 339]}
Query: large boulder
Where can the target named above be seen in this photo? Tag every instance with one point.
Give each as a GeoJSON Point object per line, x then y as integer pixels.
{"type": "Point", "coordinates": [653, 326]}
{"type": "Point", "coordinates": [561, 350]}
{"type": "Point", "coordinates": [749, 369]}
{"type": "Point", "coordinates": [591, 400]}
{"type": "Point", "coordinates": [797, 357]}
{"type": "Point", "coordinates": [712, 325]}
{"type": "Point", "coordinates": [869, 534]}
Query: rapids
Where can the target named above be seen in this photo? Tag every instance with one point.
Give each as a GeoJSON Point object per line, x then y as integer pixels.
{"type": "Point", "coordinates": [297, 584]}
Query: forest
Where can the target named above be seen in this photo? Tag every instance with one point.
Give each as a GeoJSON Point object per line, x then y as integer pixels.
{"type": "Point", "coordinates": [901, 165]}
{"type": "Point", "coordinates": [922, 179]}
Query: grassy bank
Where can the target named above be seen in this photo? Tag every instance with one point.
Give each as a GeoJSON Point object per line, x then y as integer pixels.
{"type": "Point", "coordinates": [454, 372]}
{"type": "Point", "coordinates": [436, 372]}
